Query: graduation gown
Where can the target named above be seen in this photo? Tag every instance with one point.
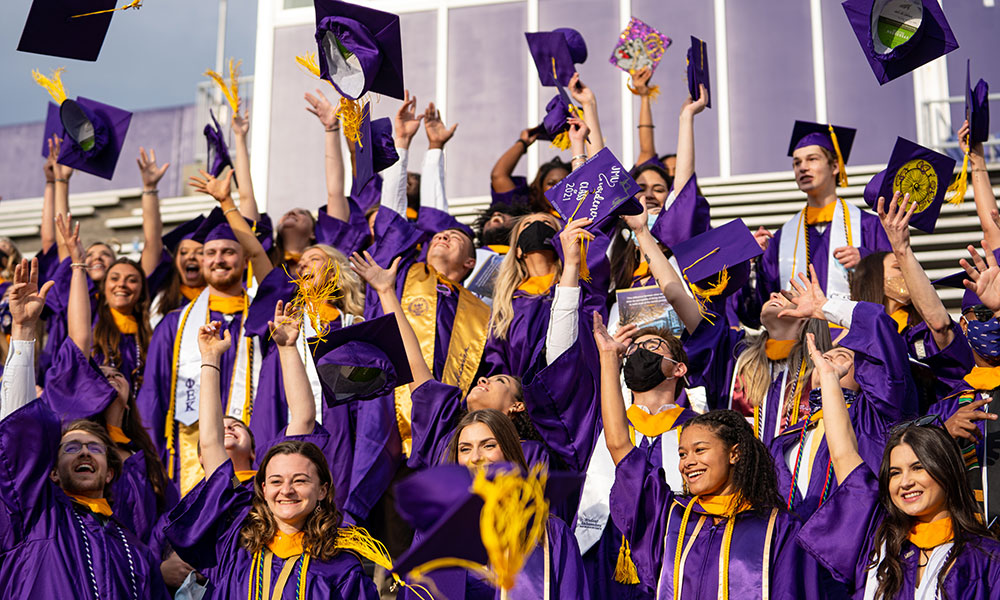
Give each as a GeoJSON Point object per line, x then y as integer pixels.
{"type": "Point", "coordinates": [54, 315]}
{"type": "Point", "coordinates": [841, 534]}
{"type": "Point", "coordinates": [949, 365]}
{"type": "Point", "coordinates": [204, 530]}
{"type": "Point", "coordinates": [650, 514]}
{"type": "Point", "coordinates": [52, 546]}
{"type": "Point", "coordinates": [348, 236]}
{"type": "Point", "coordinates": [685, 217]}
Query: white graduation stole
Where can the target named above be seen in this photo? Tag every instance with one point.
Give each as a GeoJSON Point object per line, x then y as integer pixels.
{"type": "Point", "coordinates": [792, 257]}
{"type": "Point", "coordinates": [186, 382]}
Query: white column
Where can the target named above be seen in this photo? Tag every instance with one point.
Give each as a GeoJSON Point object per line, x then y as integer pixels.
{"type": "Point", "coordinates": [531, 9]}
{"type": "Point", "coordinates": [722, 88]}
{"type": "Point", "coordinates": [819, 62]}
{"type": "Point", "coordinates": [260, 114]}
{"type": "Point", "coordinates": [628, 114]}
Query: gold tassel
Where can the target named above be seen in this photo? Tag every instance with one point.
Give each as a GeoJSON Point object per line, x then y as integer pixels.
{"type": "Point", "coordinates": [561, 141]}
{"type": "Point", "coordinates": [360, 542]}
{"type": "Point", "coordinates": [351, 114]}
{"type": "Point", "coordinates": [136, 4]}
{"type": "Point", "coordinates": [840, 157]}
{"type": "Point", "coordinates": [584, 269]}
{"type": "Point", "coordinates": [625, 571]}
{"type": "Point", "coordinates": [232, 90]}
{"type": "Point", "coordinates": [654, 90]}
{"type": "Point", "coordinates": [955, 194]}
{"type": "Point", "coordinates": [53, 85]}
{"type": "Point", "coordinates": [312, 293]}
{"type": "Point", "coordinates": [701, 295]}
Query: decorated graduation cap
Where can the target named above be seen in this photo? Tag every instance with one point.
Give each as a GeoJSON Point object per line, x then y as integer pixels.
{"type": "Point", "coordinates": [218, 152]}
{"type": "Point", "coordinates": [361, 362]}
{"type": "Point", "coordinates": [68, 28]}
{"type": "Point", "coordinates": [601, 189]}
{"type": "Point", "coordinates": [359, 49]}
{"type": "Point", "coordinates": [838, 140]}
{"type": "Point", "coordinates": [495, 516]}
{"type": "Point", "coordinates": [716, 264]}
{"type": "Point", "coordinates": [556, 54]}
{"type": "Point", "coordinates": [897, 36]}
{"type": "Point", "coordinates": [374, 150]}
{"type": "Point", "coordinates": [697, 70]}
{"type": "Point", "coordinates": [640, 45]}
{"type": "Point", "coordinates": [919, 172]}
{"type": "Point", "coordinates": [184, 231]}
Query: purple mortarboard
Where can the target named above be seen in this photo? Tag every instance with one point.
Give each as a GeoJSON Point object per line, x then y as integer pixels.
{"type": "Point", "coordinates": [374, 151]}
{"type": "Point", "coordinates": [697, 70]}
{"type": "Point", "coordinates": [640, 45]}
{"type": "Point", "coordinates": [51, 28]}
{"type": "Point", "coordinates": [977, 108]}
{"type": "Point", "coordinates": [95, 133]}
{"type": "Point", "coordinates": [53, 126]}
{"type": "Point", "coordinates": [214, 227]}
{"type": "Point", "coordinates": [361, 362]}
{"type": "Point", "coordinates": [370, 194]}
{"type": "Point", "coordinates": [554, 123]}
{"type": "Point", "coordinates": [556, 54]}
{"type": "Point", "coordinates": [957, 280]}
{"type": "Point", "coordinates": [920, 172]}
{"type": "Point", "coordinates": [601, 189]}
{"type": "Point", "coordinates": [184, 231]}
{"type": "Point", "coordinates": [899, 36]}
{"type": "Point", "coordinates": [218, 153]}
{"type": "Point", "coordinates": [359, 49]}
{"type": "Point", "coordinates": [727, 249]}
{"type": "Point", "coordinates": [439, 504]}
{"type": "Point", "coordinates": [805, 133]}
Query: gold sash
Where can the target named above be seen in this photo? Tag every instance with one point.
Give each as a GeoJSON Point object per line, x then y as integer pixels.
{"type": "Point", "coordinates": [468, 337]}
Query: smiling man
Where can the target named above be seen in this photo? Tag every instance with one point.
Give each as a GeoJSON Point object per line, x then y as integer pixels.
{"type": "Point", "coordinates": [169, 396]}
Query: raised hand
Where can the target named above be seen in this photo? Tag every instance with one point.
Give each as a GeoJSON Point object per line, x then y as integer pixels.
{"type": "Point", "coordinates": [212, 347]}
{"type": "Point", "coordinates": [570, 239]}
{"type": "Point", "coordinates": [151, 173]}
{"type": "Point", "coordinates": [528, 136]}
{"type": "Point", "coordinates": [438, 133]}
{"type": "Point", "coordinates": [808, 300]}
{"type": "Point", "coordinates": [963, 423]}
{"type": "Point", "coordinates": [963, 139]}
{"type": "Point", "coordinates": [896, 220]}
{"type": "Point", "coordinates": [216, 188]}
{"type": "Point", "coordinates": [638, 223]}
{"type": "Point", "coordinates": [381, 280]}
{"type": "Point", "coordinates": [55, 145]}
{"type": "Point", "coordinates": [693, 106]}
{"type": "Point", "coordinates": [984, 277]}
{"type": "Point", "coordinates": [580, 92]}
{"type": "Point", "coordinates": [407, 121]}
{"type": "Point", "coordinates": [578, 131]}
{"type": "Point", "coordinates": [284, 328]}
{"type": "Point", "coordinates": [821, 362]}
{"type": "Point", "coordinates": [323, 109]}
{"type": "Point", "coordinates": [763, 237]}
{"type": "Point", "coordinates": [71, 235]}
{"type": "Point", "coordinates": [241, 123]}
{"type": "Point", "coordinates": [606, 343]}
{"type": "Point", "coordinates": [25, 300]}
{"type": "Point", "coordinates": [640, 82]}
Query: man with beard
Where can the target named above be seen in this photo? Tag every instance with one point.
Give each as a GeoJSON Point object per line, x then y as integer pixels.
{"type": "Point", "coordinates": [168, 399]}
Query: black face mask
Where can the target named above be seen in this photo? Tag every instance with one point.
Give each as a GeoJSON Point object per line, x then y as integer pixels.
{"type": "Point", "coordinates": [536, 237]}
{"type": "Point", "coordinates": [642, 370]}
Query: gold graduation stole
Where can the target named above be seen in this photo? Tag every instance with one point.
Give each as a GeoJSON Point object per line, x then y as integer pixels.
{"type": "Point", "coordinates": [468, 336]}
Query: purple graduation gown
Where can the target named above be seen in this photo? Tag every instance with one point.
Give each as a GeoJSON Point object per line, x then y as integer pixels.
{"type": "Point", "coordinates": [53, 547]}
{"type": "Point", "coordinates": [347, 236]}
{"type": "Point", "coordinates": [644, 507]}
{"type": "Point", "coordinates": [887, 396]}
{"type": "Point", "coordinates": [950, 364]}
{"type": "Point", "coordinates": [204, 529]}
{"type": "Point", "coordinates": [54, 315]}
{"type": "Point", "coordinates": [78, 390]}
{"type": "Point", "coordinates": [687, 217]}
{"type": "Point", "coordinates": [841, 534]}
{"type": "Point", "coordinates": [521, 194]}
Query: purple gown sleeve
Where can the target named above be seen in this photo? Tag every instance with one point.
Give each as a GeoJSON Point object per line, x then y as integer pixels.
{"type": "Point", "coordinates": [435, 409]}
{"type": "Point", "coordinates": [873, 237]}
{"type": "Point", "coordinates": [519, 195]}
{"type": "Point", "coordinates": [157, 280]}
{"type": "Point", "coordinates": [687, 217]}
{"type": "Point", "coordinates": [277, 285]}
{"type": "Point", "coordinates": [152, 400]}
{"type": "Point", "coordinates": [76, 387]}
{"type": "Point", "coordinates": [711, 352]}
{"type": "Point", "coordinates": [394, 236]}
{"type": "Point", "coordinates": [28, 440]}
{"type": "Point", "coordinates": [47, 263]}
{"type": "Point", "coordinates": [950, 364]}
{"type": "Point", "coordinates": [347, 236]}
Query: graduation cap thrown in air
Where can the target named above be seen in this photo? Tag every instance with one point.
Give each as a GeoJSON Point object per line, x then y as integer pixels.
{"type": "Point", "coordinates": [218, 152]}
{"type": "Point", "coordinates": [601, 189]}
{"type": "Point", "coordinates": [64, 28]}
{"type": "Point", "coordinates": [374, 151]}
{"type": "Point", "coordinates": [95, 133]}
{"type": "Point", "coordinates": [556, 54]}
{"type": "Point", "coordinates": [697, 70]}
{"type": "Point", "coordinates": [920, 172]}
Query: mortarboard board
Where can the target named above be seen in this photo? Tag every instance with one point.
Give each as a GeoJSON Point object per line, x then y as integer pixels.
{"type": "Point", "coordinates": [838, 140]}
{"type": "Point", "coordinates": [556, 54]}
{"type": "Point", "coordinates": [600, 189]}
{"type": "Point", "coordinates": [55, 28]}
{"type": "Point", "coordinates": [717, 263]}
{"type": "Point", "coordinates": [977, 110]}
{"type": "Point", "coordinates": [361, 362]}
{"type": "Point", "coordinates": [359, 49]}
{"type": "Point", "coordinates": [53, 126]}
{"type": "Point", "coordinates": [184, 231]}
{"type": "Point", "coordinates": [897, 36]}
{"type": "Point", "coordinates": [213, 227]}
{"type": "Point", "coordinates": [697, 70]}
{"type": "Point", "coordinates": [919, 172]}
{"type": "Point", "coordinates": [639, 45]}
{"type": "Point", "coordinates": [218, 152]}
{"type": "Point", "coordinates": [374, 151]}
{"type": "Point", "coordinates": [95, 133]}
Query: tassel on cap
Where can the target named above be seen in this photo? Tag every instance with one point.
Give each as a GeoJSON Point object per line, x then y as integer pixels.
{"type": "Point", "coordinates": [53, 85]}
{"type": "Point", "coordinates": [840, 157]}
{"type": "Point", "coordinates": [359, 541]}
{"type": "Point", "coordinates": [625, 571]}
{"type": "Point", "coordinates": [232, 90]}
{"type": "Point", "coordinates": [351, 114]}
{"type": "Point", "coordinates": [955, 194]}
{"type": "Point", "coordinates": [308, 62]}
{"type": "Point", "coordinates": [136, 4]}
{"type": "Point", "coordinates": [561, 142]}
{"type": "Point", "coordinates": [315, 292]}
{"type": "Point", "coordinates": [702, 295]}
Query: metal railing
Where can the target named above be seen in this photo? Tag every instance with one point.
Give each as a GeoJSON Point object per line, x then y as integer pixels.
{"type": "Point", "coordinates": [937, 118]}
{"type": "Point", "coordinates": [209, 96]}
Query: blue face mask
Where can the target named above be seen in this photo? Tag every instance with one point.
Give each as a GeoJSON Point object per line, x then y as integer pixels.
{"type": "Point", "coordinates": [984, 337]}
{"type": "Point", "coordinates": [650, 219]}
{"type": "Point", "coordinates": [816, 398]}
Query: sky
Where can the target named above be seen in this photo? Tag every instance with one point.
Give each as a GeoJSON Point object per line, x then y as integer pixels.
{"type": "Point", "coordinates": [152, 57]}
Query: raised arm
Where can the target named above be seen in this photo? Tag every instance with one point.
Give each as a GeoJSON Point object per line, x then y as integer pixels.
{"type": "Point", "coordinates": [666, 277]}
{"type": "Point", "coordinates": [62, 173]}
{"type": "Point", "coordinates": [585, 96]}
{"type": "Point", "coordinates": [405, 126]}
{"type": "Point", "coordinates": [241, 164]}
{"type": "Point", "coordinates": [611, 350]}
{"type": "Point", "coordinates": [285, 332]}
{"type": "Point", "coordinates": [211, 429]}
{"type": "Point", "coordinates": [647, 140]}
{"type": "Point", "coordinates": [79, 318]}
{"type": "Point", "coordinates": [152, 224]}
{"type": "Point", "coordinates": [501, 179]}
{"type": "Point", "coordinates": [48, 226]}
{"type": "Point", "coordinates": [383, 281]}
{"type": "Point", "coordinates": [840, 438]}
{"type": "Point", "coordinates": [25, 302]}
{"type": "Point", "coordinates": [336, 201]}
{"type": "Point", "coordinates": [896, 222]}
{"type": "Point", "coordinates": [685, 138]}
{"type": "Point", "coordinates": [982, 189]}
{"type": "Point", "coordinates": [564, 321]}
{"type": "Point", "coordinates": [220, 190]}
{"type": "Point", "coordinates": [432, 173]}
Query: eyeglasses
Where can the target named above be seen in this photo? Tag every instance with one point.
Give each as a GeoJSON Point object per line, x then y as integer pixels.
{"type": "Point", "coordinates": [924, 421]}
{"type": "Point", "coordinates": [981, 313]}
{"type": "Point", "coordinates": [652, 345]}
{"type": "Point", "coordinates": [75, 447]}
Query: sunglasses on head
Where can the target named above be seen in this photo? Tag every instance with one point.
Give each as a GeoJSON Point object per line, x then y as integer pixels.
{"type": "Point", "coordinates": [981, 313]}
{"type": "Point", "coordinates": [924, 421]}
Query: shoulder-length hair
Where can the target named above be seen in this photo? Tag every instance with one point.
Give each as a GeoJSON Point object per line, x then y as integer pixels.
{"type": "Point", "coordinates": [321, 527]}
{"type": "Point", "coordinates": [503, 430]}
{"type": "Point", "coordinates": [940, 456]}
{"type": "Point", "coordinates": [352, 289]}
{"type": "Point", "coordinates": [754, 367]}
{"type": "Point", "coordinates": [513, 272]}
{"type": "Point", "coordinates": [107, 338]}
